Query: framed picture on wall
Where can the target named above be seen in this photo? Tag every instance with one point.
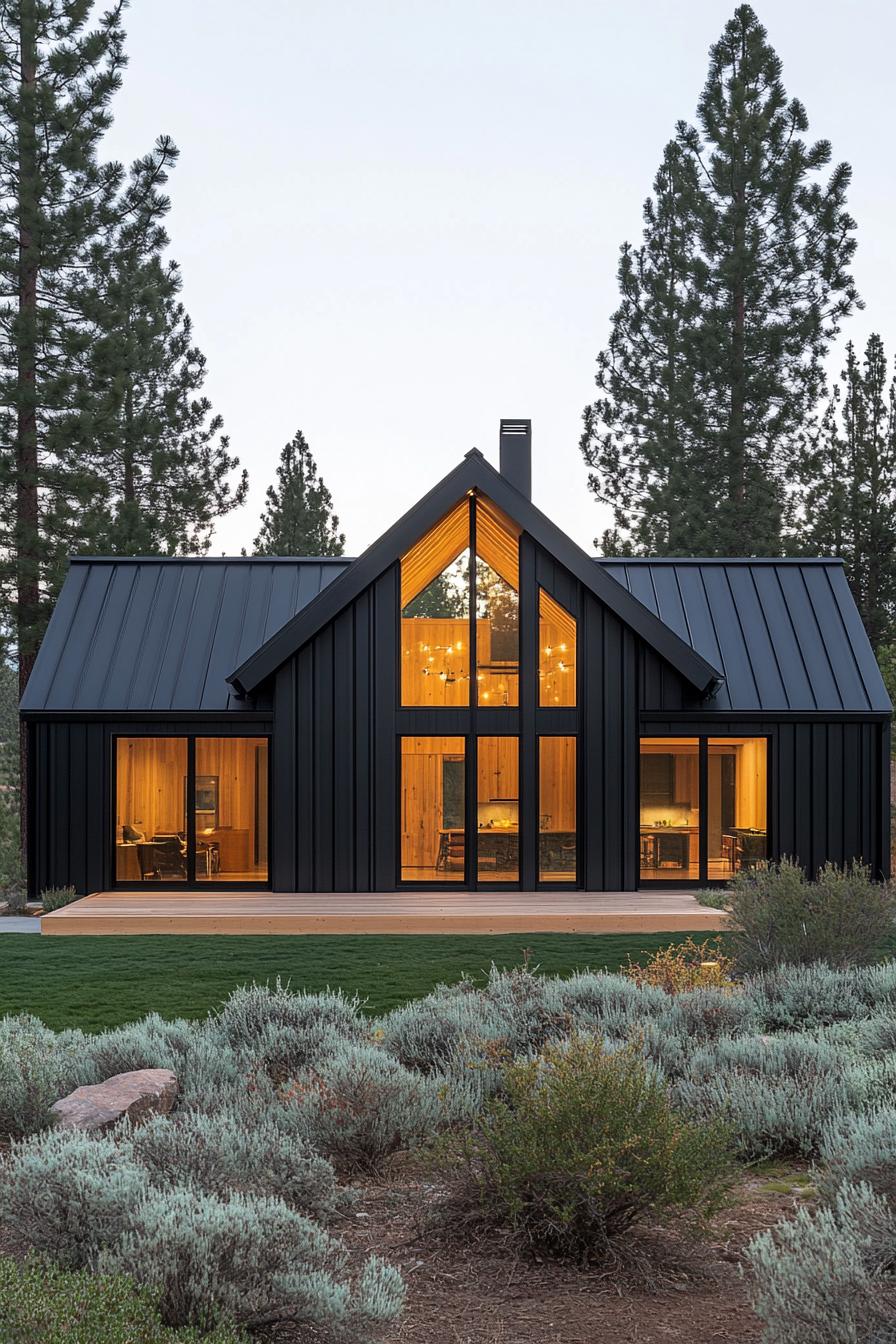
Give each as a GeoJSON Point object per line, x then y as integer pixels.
{"type": "Point", "coordinates": [205, 802]}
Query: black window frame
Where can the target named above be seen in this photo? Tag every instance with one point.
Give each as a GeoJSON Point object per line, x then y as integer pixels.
{"type": "Point", "coordinates": [703, 739]}
{"type": "Point", "coordinates": [191, 883]}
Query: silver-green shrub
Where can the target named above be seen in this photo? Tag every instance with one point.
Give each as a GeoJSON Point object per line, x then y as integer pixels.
{"type": "Point", "coordinates": [222, 1152]}
{"type": "Point", "coordinates": [250, 1008]}
{"type": "Point", "coordinates": [827, 1277]}
{"type": "Point", "coordinates": [610, 1004]}
{"type": "Point", "coordinates": [151, 1043]}
{"type": "Point", "coordinates": [249, 1259]}
{"type": "Point", "coordinates": [427, 1034]}
{"type": "Point", "coordinates": [859, 1147]}
{"type": "Point", "coordinates": [65, 1193]}
{"type": "Point", "coordinates": [800, 997]}
{"type": "Point", "coordinates": [776, 1093]}
{"type": "Point", "coordinates": [37, 1067]}
{"type": "Point", "coordinates": [360, 1106]}
{"type": "Point", "coordinates": [707, 1014]}
{"type": "Point", "coordinates": [779, 916]}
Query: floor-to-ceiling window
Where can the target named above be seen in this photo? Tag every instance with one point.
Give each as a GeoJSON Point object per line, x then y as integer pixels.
{"type": "Point", "coordinates": [151, 809]}
{"type": "Point", "coordinates": [736, 806]}
{"type": "Point", "coordinates": [230, 808]}
{"type": "Point", "coordinates": [670, 808]}
{"type": "Point", "coordinates": [433, 809]}
{"type": "Point", "coordinates": [498, 809]}
{"type": "Point", "coordinates": [703, 807]}
{"type": "Point", "coordinates": [191, 809]}
{"type": "Point", "coordinates": [557, 809]}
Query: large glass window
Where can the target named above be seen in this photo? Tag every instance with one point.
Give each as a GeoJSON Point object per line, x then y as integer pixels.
{"type": "Point", "coordinates": [150, 809]}
{"type": "Point", "coordinates": [556, 653]}
{"type": "Point", "coordinates": [438, 632]}
{"type": "Point", "coordinates": [557, 809]}
{"type": "Point", "coordinates": [435, 614]}
{"type": "Point", "coordinates": [231, 809]}
{"type": "Point", "coordinates": [433, 815]}
{"type": "Point", "coordinates": [670, 809]}
{"type": "Point", "coordinates": [737, 789]}
{"type": "Point", "coordinates": [498, 809]}
{"type": "Point", "coordinates": [497, 607]}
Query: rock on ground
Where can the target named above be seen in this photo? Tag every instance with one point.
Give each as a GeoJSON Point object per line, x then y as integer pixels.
{"type": "Point", "coordinates": [137, 1095]}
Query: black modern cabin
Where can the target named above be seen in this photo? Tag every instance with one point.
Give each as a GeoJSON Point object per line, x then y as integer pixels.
{"type": "Point", "coordinates": [473, 701]}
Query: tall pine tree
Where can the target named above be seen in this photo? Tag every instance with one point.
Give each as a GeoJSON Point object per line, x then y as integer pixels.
{"type": "Point", "coordinates": [57, 76]}
{"type": "Point", "coordinates": [641, 437]}
{"type": "Point", "coordinates": [849, 483]}
{"type": "Point", "coordinates": [298, 517]}
{"type": "Point", "coordinates": [162, 465]}
{"type": "Point", "coordinates": [768, 244]}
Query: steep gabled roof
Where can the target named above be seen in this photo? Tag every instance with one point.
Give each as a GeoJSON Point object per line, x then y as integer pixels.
{"type": "Point", "coordinates": [156, 634]}
{"type": "Point", "coordinates": [474, 473]}
{"type": "Point", "coordinates": [786, 633]}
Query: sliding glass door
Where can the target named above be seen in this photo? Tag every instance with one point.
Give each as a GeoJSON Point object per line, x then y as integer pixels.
{"type": "Point", "coordinates": [191, 809]}
{"type": "Point", "coordinates": [703, 807]}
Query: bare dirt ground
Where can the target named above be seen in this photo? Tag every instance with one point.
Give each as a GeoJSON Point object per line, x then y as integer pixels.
{"type": "Point", "coordinates": [473, 1286]}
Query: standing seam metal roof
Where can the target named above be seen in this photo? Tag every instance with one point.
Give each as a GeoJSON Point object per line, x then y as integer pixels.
{"type": "Point", "coordinates": [786, 633]}
{"type": "Point", "coordinates": [158, 634]}
{"type": "Point", "coordinates": [161, 635]}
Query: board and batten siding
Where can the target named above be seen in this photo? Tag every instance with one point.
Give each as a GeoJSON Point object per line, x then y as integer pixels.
{"type": "Point", "coordinates": [71, 809]}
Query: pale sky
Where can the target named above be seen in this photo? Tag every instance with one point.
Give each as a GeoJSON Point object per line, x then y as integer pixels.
{"type": "Point", "coordinates": [399, 221]}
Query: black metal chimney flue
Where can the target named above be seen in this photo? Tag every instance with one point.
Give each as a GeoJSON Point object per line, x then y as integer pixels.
{"type": "Point", "coordinates": [515, 462]}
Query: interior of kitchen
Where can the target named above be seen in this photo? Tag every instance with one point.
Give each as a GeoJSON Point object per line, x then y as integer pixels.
{"type": "Point", "coordinates": [671, 811]}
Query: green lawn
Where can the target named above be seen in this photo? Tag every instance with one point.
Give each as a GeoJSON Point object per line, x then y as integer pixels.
{"type": "Point", "coordinates": [95, 983]}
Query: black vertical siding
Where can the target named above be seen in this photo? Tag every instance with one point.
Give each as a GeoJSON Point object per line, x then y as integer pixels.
{"type": "Point", "coordinates": [70, 835]}
{"type": "Point", "coordinates": [829, 784]}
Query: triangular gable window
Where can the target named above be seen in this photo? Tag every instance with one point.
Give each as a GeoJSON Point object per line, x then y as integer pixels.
{"type": "Point", "coordinates": [441, 594]}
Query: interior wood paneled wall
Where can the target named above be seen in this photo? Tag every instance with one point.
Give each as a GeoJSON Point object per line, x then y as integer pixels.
{"type": "Point", "coordinates": [421, 796]}
{"type": "Point", "coordinates": [557, 780]}
{"type": "Point", "coordinates": [150, 773]}
{"type": "Point", "coordinates": [497, 768]}
{"type": "Point", "coordinates": [233, 761]}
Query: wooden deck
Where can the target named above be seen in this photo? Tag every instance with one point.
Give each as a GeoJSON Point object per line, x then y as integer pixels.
{"type": "Point", "coordinates": [263, 912]}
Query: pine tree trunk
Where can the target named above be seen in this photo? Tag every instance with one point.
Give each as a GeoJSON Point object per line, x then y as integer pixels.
{"type": "Point", "coordinates": [27, 529]}
{"type": "Point", "coordinates": [736, 433]}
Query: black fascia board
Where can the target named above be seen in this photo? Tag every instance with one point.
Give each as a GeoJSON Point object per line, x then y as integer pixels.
{"type": "Point", "coordinates": [472, 474]}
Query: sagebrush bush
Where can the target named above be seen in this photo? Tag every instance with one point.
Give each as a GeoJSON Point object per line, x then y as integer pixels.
{"type": "Point", "coordinates": [360, 1106]}
{"type": "Point", "coordinates": [528, 1006]}
{"type": "Point", "coordinates": [221, 1152]}
{"type": "Point", "coordinates": [250, 1009]}
{"type": "Point", "coordinates": [39, 1301]}
{"type": "Point", "coordinates": [827, 1277]}
{"type": "Point", "coordinates": [611, 1004]}
{"type": "Point", "coordinates": [706, 1014]}
{"type": "Point", "coordinates": [66, 1192]}
{"type": "Point", "coordinates": [37, 1067]}
{"type": "Point", "coordinates": [249, 1259]}
{"type": "Point", "coordinates": [54, 898]}
{"type": "Point", "coordinates": [779, 916]}
{"type": "Point", "coordinates": [775, 1093]}
{"type": "Point", "coordinates": [428, 1034]}
{"type": "Point", "coordinates": [583, 1144]}
{"type": "Point", "coordinates": [788, 997]}
{"type": "Point", "coordinates": [684, 966]}
{"type": "Point", "coordinates": [857, 1148]}
{"type": "Point", "coordinates": [151, 1043]}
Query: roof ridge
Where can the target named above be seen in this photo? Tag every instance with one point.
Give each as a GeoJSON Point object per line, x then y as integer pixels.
{"type": "Point", "coordinates": [210, 559]}
{"type": "Point", "coordinates": [753, 560]}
